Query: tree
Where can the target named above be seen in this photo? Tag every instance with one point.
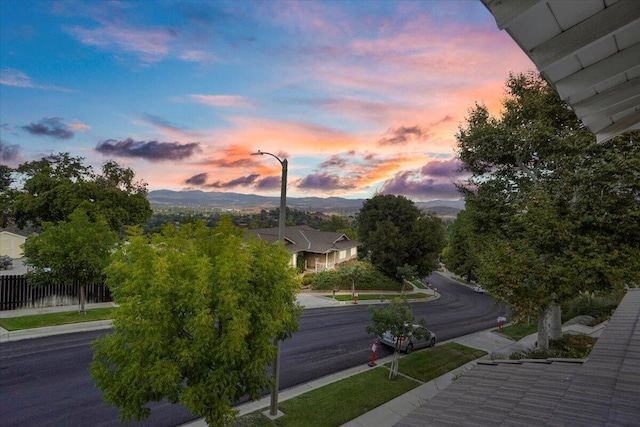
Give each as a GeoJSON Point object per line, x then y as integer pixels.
{"type": "Point", "coordinates": [351, 272]}
{"type": "Point", "coordinates": [397, 318]}
{"type": "Point", "coordinates": [6, 195]}
{"type": "Point", "coordinates": [339, 224]}
{"type": "Point", "coordinates": [535, 202]}
{"type": "Point", "coordinates": [394, 232]}
{"type": "Point", "coordinates": [405, 273]}
{"type": "Point", "coordinates": [461, 252]}
{"type": "Point", "coordinates": [57, 185]}
{"type": "Point", "coordinates": [199, 309]}
{"type": "Point", "coordinates": [73, 251]}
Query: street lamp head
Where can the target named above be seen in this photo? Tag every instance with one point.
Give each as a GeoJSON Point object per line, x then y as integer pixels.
{"type": "Point", "coordinates": [262, 153]}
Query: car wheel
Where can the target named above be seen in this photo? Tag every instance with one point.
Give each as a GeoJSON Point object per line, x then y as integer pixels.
{"type": "Point", "coordinates": [432, 342]}
{"type": "Point", "coordinates": [409, 348]}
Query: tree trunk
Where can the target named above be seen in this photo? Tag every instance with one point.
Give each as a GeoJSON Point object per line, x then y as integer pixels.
{"type": "Point", "coordinates": [543, 330]}
{"type": "Point", "coordinates": [393, 372]}
{"type": "Point", "coordinates": [83, 298]}
{"type": "Point", "coordinates": [555, 320]}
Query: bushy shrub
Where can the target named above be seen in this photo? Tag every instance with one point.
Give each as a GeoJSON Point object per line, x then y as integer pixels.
{"type": "Point", "coordinates": [326, 280]}
{"type": "Point", "coordinates": [599, 307]}
{"type": "Point", "coordinates": [370, 279]}
{"type": "Point", "coordinates": [569, 346]}
{"type": "Point", "coordinates": [573, 346]}
{"type": "Point", "coordinates": [533, 354]}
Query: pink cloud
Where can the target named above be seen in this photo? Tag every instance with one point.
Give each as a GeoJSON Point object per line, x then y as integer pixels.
{"type": "Point", "coordinates": [79, 127]}
{"type": "Point", "coordinates": [222, 100]}
{"type": "Point", "coordinates": [11, 77]}
{"type": "Point", "coordinates": [152, 44]}
{"type": "Point", "coordinates": [199, 56]}
{"type": "Point", "coordinates": [314, 17]}
{"type": "Point", "coordinates": [17, 78]}
{"type": "Point", "coordinates": [407, 184]}
{"type": "Point", "coordinates": [294, 136]}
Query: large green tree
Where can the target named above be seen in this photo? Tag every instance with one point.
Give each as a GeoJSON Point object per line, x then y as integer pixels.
{"type": "Point", "coordinates": [395, 233]}
{"type": "Point", "coordinates": [543, 200]}
{"type": "Point", "coordinates": [339, 224]}
{"type": "Point", "coordinates": [461, 253]}
{"type": "Point", "coordinates": [199, 309]}
{"type": "Point", "coordinates": [6, 195]}
{"type": "Point", "coordinates": [68, 252]}
{"type": "Point", "coordinates": [54, 186]}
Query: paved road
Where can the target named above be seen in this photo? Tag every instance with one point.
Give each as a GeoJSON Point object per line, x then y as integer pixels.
{"type": "Point", "coordinates": [46, 382]}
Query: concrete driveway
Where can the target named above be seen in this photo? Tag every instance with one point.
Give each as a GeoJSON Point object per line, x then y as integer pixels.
{"type": "Point", "coordinates": [17, 268]}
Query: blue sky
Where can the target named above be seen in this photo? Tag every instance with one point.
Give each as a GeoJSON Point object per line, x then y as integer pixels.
{"type": "Point", "coordinates": [361, 97]}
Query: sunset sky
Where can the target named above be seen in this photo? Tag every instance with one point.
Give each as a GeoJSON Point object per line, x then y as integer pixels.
{"type": "Point", "coordinates": [361, 97]}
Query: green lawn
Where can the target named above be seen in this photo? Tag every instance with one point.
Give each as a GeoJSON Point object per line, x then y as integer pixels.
{"type": "Point", "coordinates": [339, 402]}
{"type": "Point", "coordinates": [428, 365]}
{"type": "Point", "coordinates": [418, 284]}
{"type": "Point", "coordinates": [54, 319]}
{"type": "Point", "coordinates": [344, 400]}
{"type": "Point", "coordinates": [379, 297]}
{"type": "Point", "coordinates": [519, 330]}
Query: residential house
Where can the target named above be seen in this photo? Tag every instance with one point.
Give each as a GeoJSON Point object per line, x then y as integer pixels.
{"type": "Point", "coordinates": [11, 244]}
{"type": "Point", "coordinates": [311, 249]}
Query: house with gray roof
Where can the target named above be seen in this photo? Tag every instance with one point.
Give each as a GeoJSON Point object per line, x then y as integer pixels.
{"type": "Point", "coordinates": [311, 249]}
{"type": "Point", "coordinates": [603, 390]}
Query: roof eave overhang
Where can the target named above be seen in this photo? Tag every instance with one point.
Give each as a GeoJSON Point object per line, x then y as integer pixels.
{"type": "Point", "coordinates": [589, 51]}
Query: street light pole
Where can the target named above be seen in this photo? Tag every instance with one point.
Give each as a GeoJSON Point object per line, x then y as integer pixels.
{"type": "Point", "coordinates": [273, 411]}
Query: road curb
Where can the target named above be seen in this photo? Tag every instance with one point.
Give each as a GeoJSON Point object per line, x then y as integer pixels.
{"type": "Point", "coordinates": [7, 336]}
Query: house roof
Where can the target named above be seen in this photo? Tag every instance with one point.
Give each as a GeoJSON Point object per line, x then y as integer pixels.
{"type": "Point", "coordinates": [20, 236]}
{"type": "Point", "coordinates": [303, 238]}
{"type": "Point", "coordinates": [602, 390]}
{"type": "Point", "coordinates": [588, 49]}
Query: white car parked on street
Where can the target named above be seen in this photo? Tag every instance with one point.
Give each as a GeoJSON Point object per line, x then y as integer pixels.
{"type": "Point", "coordinates": [410, 343]}
{"type": "Point", "coordinates": [479, 288]}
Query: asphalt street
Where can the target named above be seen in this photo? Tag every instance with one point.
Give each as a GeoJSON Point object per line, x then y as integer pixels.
{"type": "Point", "coordinates": [45, 381]}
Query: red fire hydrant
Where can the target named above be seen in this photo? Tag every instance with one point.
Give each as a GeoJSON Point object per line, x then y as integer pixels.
{"type": "Point", "coordinates": [374, 349]}
{"type": "Point", "coordinates": [501, 321]}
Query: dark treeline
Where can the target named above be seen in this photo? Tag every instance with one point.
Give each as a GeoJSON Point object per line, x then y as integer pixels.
{"type": "Point", "coordinates": [263, 219]}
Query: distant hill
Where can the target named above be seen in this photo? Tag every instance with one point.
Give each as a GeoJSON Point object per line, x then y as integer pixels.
{"type": "Point", "coordinates": [222, 200]}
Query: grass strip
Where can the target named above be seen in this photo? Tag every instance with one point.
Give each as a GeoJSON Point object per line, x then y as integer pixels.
{"type": "Point", "coordinates": [418, 284]}
{"type": "Point", "coordinates": [519, 330]}
{"type": "Point", "coordinates": [431, 363]}
{"type": "Point", "coordinates": [342, 401]}
{"type": "Point", "coordinates": [379, 297]}
{"type": "Point", "coordinates": [55, 319]}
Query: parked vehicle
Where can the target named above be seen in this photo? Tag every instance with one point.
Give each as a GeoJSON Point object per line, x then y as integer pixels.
{"type": "Point", "coordinates": [5, 262]}
{"type": "Point", "coordinates": [479, 288]}
{"type": "Point", "coordinates": [408, 344]}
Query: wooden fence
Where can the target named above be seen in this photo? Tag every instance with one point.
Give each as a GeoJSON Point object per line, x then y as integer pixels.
{"type": "Point", "coordinates": [16, 293]}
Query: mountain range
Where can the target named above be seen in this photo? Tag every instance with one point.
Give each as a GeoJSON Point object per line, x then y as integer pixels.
{"type": "Point", "coordinates": [237, 201]}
